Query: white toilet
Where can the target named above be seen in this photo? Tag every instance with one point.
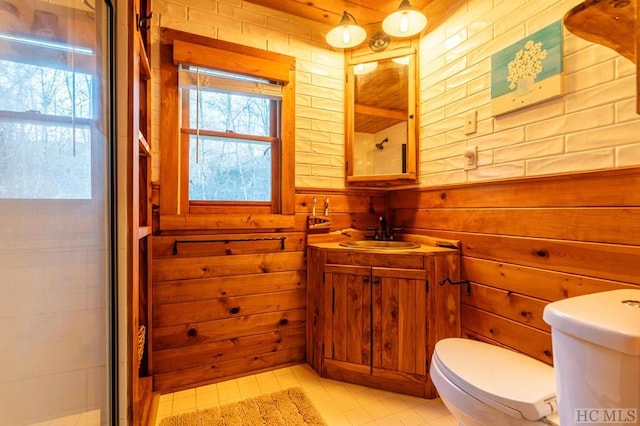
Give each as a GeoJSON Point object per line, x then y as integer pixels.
{"type": "Point", "coordinates": [596, 352]}
{"type": "Point", "coordinates": [596, 345]}
{"type": "Point", "coordinates": [483, 384]}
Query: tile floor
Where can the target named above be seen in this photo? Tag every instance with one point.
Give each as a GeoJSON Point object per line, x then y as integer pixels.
{"type": "Point", "coordinates": [90, 418]}
{"type": "Point", "coordinates": [338, 402]}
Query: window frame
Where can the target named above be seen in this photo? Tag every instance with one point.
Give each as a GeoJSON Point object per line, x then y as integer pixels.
{"type": "Point", "coordinates": [183, 48]}
{"type": "Point", "coordinates": [274, 140]}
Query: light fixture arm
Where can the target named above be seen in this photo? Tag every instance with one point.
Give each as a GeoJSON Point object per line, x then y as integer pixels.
{"type": "Point", "coordinates": [347, 19]}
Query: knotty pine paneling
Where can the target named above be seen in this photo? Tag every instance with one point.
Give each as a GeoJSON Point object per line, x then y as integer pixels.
{"type": "Point", "coordinates": [225, 308]}
{"type": "Point", "coordinates": [226, 350]}
{"type": "Point", "coordinates": [171, 292]}
{"type": "Point", "coordinates": [618, 225]}
{"type": "Point", "coordinates": [529, 340]}
{"type": "Point", "coordinates": [226, 329]}
{"type": "Point", "coordinates": [525, 243]}
{"type": "Point", "coordinates": [514, 306]}
{"type": "Point", "coordinates": [184, 268]}
{"type": "Point", "coordinates": [570, 190]}
{"type": "Point", "coordinates": [212, 372]}
{"type": "Point", "coordinates": [605, 261]}
{"type": "Point", "coordinates": [545, 284]}
{"type": "Point", "coordinates": [358, 209]}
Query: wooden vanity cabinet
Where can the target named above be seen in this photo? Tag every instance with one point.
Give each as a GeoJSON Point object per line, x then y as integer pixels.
{"type": "Point", "coordinates": [373, 318]}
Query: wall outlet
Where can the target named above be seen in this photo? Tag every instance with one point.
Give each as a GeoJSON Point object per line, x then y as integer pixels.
{"type": "Point", "coordinates": [471, 157]}
{"type": "Point", "coordinates": [471, 122]}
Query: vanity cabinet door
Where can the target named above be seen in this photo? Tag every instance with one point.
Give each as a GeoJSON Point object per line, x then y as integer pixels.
{"type": "Point", "coordinates": [400, 320]}
{"type": "Point", "coordinates": [373, 319]}
{"type": "Point", "coordinates": [348, 314]}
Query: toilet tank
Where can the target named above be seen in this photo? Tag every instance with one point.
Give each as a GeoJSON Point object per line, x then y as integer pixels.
{"type": "Point", "coordinates": [596, 352]}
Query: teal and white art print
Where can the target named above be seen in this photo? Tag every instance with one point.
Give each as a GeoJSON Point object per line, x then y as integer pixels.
{"type": "Point", "coordinates": [527, 72]}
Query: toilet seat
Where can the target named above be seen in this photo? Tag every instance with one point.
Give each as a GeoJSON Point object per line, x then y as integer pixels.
{"type": "Point", "coordinates": [506, 380]}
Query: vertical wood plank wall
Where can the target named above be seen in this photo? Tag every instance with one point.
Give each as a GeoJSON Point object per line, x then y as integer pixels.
{"type": "Point", "coordinates": [228, 309]}
{"type": "Point", "coordinates": [526, 243]}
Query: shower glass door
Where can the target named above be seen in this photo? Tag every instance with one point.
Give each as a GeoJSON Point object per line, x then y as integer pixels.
{"type": "Point", "coordinates": [56, 219]}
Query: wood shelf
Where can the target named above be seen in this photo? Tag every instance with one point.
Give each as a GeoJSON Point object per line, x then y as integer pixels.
{"type": "Point", "coordinates": [144, 145]}
{"type": "Point", "coordinates": [144, 231]}
{"type": "Point", "coordinates": [145, 66]}
{"type": "Point", "coordinates": [606, 23]}
{"type": "Point", "coordinates": [140, 216]}
{"type": "Point", "coordinates": [614, 24]}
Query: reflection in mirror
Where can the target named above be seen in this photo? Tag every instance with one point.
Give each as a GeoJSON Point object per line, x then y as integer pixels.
{"type": "Point", "coordinates": [381, 118]}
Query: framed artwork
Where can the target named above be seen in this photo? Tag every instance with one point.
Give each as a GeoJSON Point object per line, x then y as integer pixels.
{"type": "Point", "coordinates": [527, 72]}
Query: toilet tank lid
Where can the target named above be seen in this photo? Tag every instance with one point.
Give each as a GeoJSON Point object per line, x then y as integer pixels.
{"type": "Point", "coordinates": [609, 318]}
{"type": "Point", "coordinates": [507, 380]}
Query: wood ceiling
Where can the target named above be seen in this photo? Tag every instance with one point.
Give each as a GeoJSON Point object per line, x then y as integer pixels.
{"type": "Point", "coordinates": [330, 11]}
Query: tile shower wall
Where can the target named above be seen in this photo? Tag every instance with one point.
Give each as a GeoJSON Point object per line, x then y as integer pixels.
{"type": "Point", "coordinates": [319, 76]}
{"type": "Point", "coordinates": [52, 311]}
{"type": "Point", "coordinates": [592, 126]}
{"type": "Point", "coordinates": [370, 160]}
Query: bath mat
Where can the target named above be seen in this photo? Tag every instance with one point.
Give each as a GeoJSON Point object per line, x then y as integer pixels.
{"type": "Point", "coordinates": [289, 407]}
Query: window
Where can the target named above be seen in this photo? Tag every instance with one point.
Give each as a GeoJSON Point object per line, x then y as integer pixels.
{"type": "Point", "coordinates": [231, 124]}
{"type": "Point", "coordinates": [227, 131]}
{"type": "Point", "coordinates": [46, 116]}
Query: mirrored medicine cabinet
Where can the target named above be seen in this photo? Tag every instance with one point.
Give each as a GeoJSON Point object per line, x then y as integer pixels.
{"type": "Point", "coordinates": [381, 120]}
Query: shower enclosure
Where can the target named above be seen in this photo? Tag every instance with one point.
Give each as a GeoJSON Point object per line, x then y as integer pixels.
{"type": "Point", "coordinates": [56, 213]}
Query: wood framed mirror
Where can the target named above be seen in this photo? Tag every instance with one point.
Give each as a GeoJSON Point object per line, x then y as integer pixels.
{"type": "Point", "coordinates": [381, 119]}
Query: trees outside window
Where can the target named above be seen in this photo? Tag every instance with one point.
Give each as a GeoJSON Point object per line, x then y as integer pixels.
{"type": "Point", "coordinates": [46, 115]}
{"type": "Point", "coordinates": [227, 133]}
{"type": "Point", "coordinates": [233, 129]}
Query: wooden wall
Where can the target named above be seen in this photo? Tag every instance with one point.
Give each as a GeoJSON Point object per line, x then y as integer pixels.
{"type": "Point", "coordinates": [227, 309]}
{"type": "Point", "coordinates": [531, 241]}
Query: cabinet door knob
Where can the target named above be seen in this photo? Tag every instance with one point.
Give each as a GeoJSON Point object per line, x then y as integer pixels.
{"type": "Point", "coordinates": [376, 281]}
{"type": "Point", "coordinates": [365, 280]}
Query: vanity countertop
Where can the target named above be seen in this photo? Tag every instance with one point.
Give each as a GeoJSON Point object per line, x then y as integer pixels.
{"type": "Point", "coordinates": [423, 249]}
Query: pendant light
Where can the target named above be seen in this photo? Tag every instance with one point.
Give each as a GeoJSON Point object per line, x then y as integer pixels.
{"type": "Point", "coordinates": [347, 34]}
{"type": "Point", "coordinates": [402, 60]}
{"type": "Point", "coordinates": [366, 68]}
{"type": "Point", "coordinates": [404, 22]}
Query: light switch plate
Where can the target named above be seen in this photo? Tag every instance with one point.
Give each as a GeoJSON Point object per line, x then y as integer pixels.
{"type": "Point", "coordinates": [471, 122]}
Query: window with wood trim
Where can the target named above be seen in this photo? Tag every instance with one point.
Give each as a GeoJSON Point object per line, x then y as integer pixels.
{"type": "Point", "coordinates": [234, 107]}
{"type": "Point", "coordinates": [231, 126]}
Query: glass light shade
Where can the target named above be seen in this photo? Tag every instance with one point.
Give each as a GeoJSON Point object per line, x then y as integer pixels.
{"type": "Point", "coordinates": [347, 34]}
{"type": "Point", "coordinates": [404, 22]}
{"type": "Point", "coordinates": [402, 60]}
{"type": "Point", "coordinates": [366, 68]}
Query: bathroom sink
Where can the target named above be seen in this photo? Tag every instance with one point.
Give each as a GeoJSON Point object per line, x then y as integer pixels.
{"type": "Point", "coordinates": [380, 244]}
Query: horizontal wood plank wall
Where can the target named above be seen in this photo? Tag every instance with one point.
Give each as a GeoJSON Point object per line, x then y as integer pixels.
{"type": "Point", "coordinates": [229, 308]}
{"type": "Point", "coordinates": [528, 242]}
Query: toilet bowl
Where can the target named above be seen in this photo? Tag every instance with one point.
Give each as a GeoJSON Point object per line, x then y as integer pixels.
{"type": "Point", "coordinates": [483, 384]}
{"type": "Point", "coordinates": [596, 348]}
